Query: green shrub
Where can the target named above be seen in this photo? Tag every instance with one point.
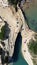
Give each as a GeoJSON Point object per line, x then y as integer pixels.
{"type": "Point", "coordinates": [33, 46]}
{"type": "Point", "coordinates": [2, 32]}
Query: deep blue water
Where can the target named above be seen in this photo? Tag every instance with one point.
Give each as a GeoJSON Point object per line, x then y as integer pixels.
{"type": "Point", "coordinates": [31, 15]}
{"type": "Point", "coordinates": [17, 57]}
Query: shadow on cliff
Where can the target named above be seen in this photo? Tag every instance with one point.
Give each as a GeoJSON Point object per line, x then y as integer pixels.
{"type": "Point", "coordinates": [16, 51]}
{"type": "Point", "coordinates": [6, 31]}
{"type": "Point", "coordinates": [25, 17]}
{"type": "Point", "coordinates": [17, 47]}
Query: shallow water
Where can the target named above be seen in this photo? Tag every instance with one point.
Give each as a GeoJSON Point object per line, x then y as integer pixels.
{"type": "Point", "coordinates": [31, 14]}
{"type": "Point", "coordinates": [18, 58]}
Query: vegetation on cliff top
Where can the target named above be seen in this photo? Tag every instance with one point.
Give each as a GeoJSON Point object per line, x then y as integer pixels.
{"type": "Point", "coordinates": [2, 32]}
{"type": "Point", "coordinates": [33, 47]}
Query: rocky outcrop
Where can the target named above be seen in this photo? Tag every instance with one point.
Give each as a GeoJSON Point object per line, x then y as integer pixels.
{"type": "Point", "coordinates": [16, 23]}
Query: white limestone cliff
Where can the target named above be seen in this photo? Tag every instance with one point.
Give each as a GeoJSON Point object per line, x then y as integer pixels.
{"type": "Point", "coordinates": [15, 21]}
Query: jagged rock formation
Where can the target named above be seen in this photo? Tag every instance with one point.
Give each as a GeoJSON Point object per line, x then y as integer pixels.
{"type": "Point", "coordinates": [16, 23]}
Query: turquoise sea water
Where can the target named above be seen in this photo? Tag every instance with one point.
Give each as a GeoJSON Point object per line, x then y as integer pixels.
{"type": "Point", "coordinates": [31, 15]}
{"type": "Point", "coordinates": [18, 58]}
{"type": "Point", "coordinates": [20, 61]}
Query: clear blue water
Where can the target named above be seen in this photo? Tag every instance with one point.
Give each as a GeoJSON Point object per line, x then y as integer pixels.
{"type": "Point", "coordinates": [18, 58]}
{"type": "Point", "coordinates": [20, 61]}
{"type": "Point", "coordinates": [31, 15]}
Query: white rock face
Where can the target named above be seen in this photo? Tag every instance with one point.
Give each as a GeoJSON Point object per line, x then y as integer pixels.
{"type": "Point", "coordinates": [4, 3]}
{"type": "Point", "coordinates": [16, 23]}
